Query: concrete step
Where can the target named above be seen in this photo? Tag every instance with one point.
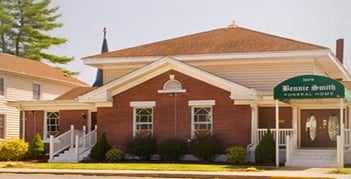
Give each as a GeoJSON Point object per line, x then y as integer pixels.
{"type": "Point", "coordinates": [313, 158]}
{"type": "Point", "coordinates": [69, 156]}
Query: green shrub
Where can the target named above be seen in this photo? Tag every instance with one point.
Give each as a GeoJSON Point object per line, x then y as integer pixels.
{"type": "Point", "coordinates": [172, 149]}
{"type": "Point", "coordinates": [265, 150]}
{"type": "Point", "coordinates": [236, 155]}
{"type": "Point", "coordinates": [114, 155]}
{"type": "Point", "coordinates": [100, 149]}
{"type": "Point", "coordinates": [36, 148]}
{"type": "Point", "coordinates": [142, 147]}
{"type": "Point", "coordinates": [205, 148]}
{"type": "Point", "coordinates": [13, 150]}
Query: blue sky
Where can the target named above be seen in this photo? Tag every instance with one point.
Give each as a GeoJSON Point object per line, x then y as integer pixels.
{"type": "Point", "coordinates": [136, 22]}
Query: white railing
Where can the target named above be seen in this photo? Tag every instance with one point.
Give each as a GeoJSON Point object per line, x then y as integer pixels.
{"type": "Point", "coordinates": [63, 141]}
{"type": "Point", "coordinates": [347, 138]}
{"type": "Point", "coordinates": [85, 142]}
{"type": "Point", "coordinates": [291, 146]}
{"type": "Point", "coordinates": [283, 132]}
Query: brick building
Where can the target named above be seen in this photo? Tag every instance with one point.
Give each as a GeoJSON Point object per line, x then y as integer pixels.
{"type": "Point", "coordinates": [220, 82]}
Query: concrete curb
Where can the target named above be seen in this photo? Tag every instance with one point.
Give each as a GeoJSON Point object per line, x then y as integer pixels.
{"type": "Point", "coordinates": [286, 174]}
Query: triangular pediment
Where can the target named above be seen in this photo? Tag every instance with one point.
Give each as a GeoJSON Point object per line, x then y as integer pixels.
{"type": "Point", "coordinates": [158, 67]}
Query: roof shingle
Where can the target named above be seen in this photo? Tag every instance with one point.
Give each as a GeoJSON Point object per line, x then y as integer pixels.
{"type": "Point", "coordinates": [224, 40]}
{"type": "Point", "coordinates": [19, 65]}
{"type": "Point", "coordinates": [75, 93]}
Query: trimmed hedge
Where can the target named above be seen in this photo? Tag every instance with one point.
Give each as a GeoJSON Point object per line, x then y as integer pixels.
{"type": "Point", "coordinates": [114, 155]}
{"type": "Point", "coordinates": [142, 147]}
{"type": "Point", "coordinates": [172, 149]}
{"type": "Point", "coordinates": [13, 150]}
{"type": "Point", "coordinates": [236, 155]}
{"type": "Point", "coordinates": [206, 147]}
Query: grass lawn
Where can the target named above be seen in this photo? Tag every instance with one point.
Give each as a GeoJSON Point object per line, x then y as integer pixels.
{"type": "Point", "coordinates": [133, 166]}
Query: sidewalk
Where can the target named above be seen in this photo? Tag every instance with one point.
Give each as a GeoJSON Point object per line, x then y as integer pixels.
{"type": "Point", "coordinates": [283, 173]}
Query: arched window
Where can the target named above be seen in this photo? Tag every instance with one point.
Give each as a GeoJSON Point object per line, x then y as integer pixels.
{"type": "Point", "coordinates": [172, 86]}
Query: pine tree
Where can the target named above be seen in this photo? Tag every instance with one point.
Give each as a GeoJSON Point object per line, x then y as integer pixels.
{"type": "Point", "coordinates": [23, 29]}
{"type": "Point", "coordinates": [36, 149]}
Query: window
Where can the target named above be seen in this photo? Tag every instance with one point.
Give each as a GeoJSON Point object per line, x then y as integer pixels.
{"type": "Point", "coordinates": [201, 115]}
{"type": "Point", "coordinates": [2, 126]}
{"type": "Point", "coordinates": [52, 123]}
{"type": "Point", "coordinates": [142, 118]}
{"type": "Point", "coordinates": [36, 91]}
{"type": "Point", "coordinates": [143, 121]}
{"type": "Point", "coordinates": [2, 86]}
{"type": "Point", "coordinates": [172, 86]}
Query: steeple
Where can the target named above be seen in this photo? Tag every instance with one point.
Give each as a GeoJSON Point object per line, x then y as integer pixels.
{"type": "Point", "coordinates": [99, 79]}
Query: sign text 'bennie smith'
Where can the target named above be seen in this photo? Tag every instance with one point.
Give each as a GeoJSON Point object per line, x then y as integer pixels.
{"type": "Point", "coordinates": [309, 86]}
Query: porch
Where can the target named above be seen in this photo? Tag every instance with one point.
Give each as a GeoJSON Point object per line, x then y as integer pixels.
{"type": "Point", "coordinates": [289, 145]}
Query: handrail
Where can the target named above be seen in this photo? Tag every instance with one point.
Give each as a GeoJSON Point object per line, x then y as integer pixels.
{"type": "Point", "coordinates": [283, 132]}
{"type": "Point", "coordinates": [61, 142]}
{"type": "Point", "coordinates": [85, 142]}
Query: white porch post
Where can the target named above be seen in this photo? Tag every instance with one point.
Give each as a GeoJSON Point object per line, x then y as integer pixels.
{"type": "Point", "coordinates": [89, 121]}
{"type": "Point", "coordinates": [23, 124]}
{"type": "Point", "coordinates": [342, 138]}
{"type": "Point", "coordinates": [294, 123]}
{"type": "Point", "coordinates": [277, 133]}
{"type": "Point", "coordinates": [254, 120]}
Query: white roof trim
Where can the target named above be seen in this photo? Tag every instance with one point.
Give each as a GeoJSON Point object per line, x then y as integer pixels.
{"type": "Point", "coordinates": [223, 56]}
{"type": "Point", "coordinates": [161, 66]}
{"type": "Point", "coordinates": [55, 105]}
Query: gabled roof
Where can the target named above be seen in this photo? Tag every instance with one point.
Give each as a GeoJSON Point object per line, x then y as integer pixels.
{"type": "Point", "coordinates": [223, 40]}
{"type": "Point", "coordinates": [32, 68]}
{"type": "Point", "coordinates": [158, 67]}
{"type": "Point", "coordinates": [75, 93]}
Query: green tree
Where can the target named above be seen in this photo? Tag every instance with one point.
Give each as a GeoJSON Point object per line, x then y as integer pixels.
{"type": "Point", "coordinates": [24, 27]}
{"type": "Point", "coordinates": [98, 152]}
{"type": "Point", "coordinates": [36, 149]}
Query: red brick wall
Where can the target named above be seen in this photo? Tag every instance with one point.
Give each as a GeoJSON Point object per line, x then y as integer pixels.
{"type": "Point", "coordinates": [266, 117]}
{"type": "Point", "coordinates": [231, 123]}
{"type": "Point", "coordinates": [72, 117]}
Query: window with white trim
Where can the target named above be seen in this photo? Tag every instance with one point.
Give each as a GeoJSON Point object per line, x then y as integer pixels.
{"type": "Point", "coordinates": [2, 126]}
{"type": "Point", "coordinates": [201, 117]}
{"type": "Point", "coordinates": [52, 123]}
{"type": "Point", "coordinates": [2, 86]}
{"type": "Point", "coordinates": [142, 118]}
{"type": "Point", "coordinates": [36, 91]}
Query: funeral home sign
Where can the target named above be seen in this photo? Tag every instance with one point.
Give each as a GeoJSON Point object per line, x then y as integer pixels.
{"type": "Point", "coordinates": [309, 87]}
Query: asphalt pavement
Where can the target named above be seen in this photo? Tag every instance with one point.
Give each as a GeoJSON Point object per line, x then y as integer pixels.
{"type": "Point", "coordinates": [286, 173]}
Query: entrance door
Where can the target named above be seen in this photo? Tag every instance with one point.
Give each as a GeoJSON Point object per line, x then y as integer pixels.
{"type": "Point", "coordinates": [319, 127]}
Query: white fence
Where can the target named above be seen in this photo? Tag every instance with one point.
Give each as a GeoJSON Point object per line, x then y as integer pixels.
{"type": "Point", "coordinates": [283, 132]}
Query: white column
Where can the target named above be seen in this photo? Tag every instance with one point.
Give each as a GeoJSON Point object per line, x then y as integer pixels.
{"type": "Point", "coordinates": [254, 120]}
{"type": "Point", "coordinates": [342, 138]}
{"type": "Point", "coordinates": [51, 148]}
{"type": "Point", "coordinates": [294, 123]}
{"type": "Point", "coordinates": [277, 133]}
{"type": "Point", "coordinates": [23, 124]}
{"type": "Point", "coordinates": [89, 120]}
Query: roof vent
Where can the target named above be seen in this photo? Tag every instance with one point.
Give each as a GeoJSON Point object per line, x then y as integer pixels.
{"type": "Point", "coordinates": [233, 25]}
